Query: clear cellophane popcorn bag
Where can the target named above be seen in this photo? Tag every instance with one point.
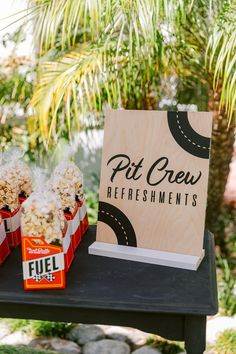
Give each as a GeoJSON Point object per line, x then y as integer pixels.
{"type": "Point", "coordinates": [9, 204]}
{"type": "Point", "coordinates": [71, 172]}
{"type": "Point", "coordinates": [78, 220]}
{"type": "Point", "coordinates": [65, 190]}
{"type": "Point", "coordinates": [43, 231]}
{"type": "Point", "coordinates": [19, 168]}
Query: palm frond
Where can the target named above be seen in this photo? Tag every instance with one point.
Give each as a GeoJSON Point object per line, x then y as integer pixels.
{"type": "Point", "coordinates": [82, 80]}
{"type": "Point", "coordinates": [221, 56]}
{"type": "Point", "coordinates": [93, 18]}
{"type": "Point", "coordinates": [67, 18]}
{"type": "Point", "coordinates": [114, 51]}
{"type": "Point", "coordinates": [58, 84]}
{"type": "Point", "coordinates": [129, 45]}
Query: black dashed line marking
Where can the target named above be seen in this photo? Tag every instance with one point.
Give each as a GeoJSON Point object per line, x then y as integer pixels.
{"type": "Point", "coordinates": [192, 142]}
{"type": "Point", "coordinates": [119, 223]}
{"type": "Point", "coordinates": [112, 216]}
{"type": "Point", "coordinates": [186, 137]}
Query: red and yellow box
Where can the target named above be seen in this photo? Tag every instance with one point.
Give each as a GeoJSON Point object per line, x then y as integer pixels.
{"type": "Point", "coordinates": [4, 245]}
{"type": "Point", "coordinates": [83, 215]}
{"type": "Point", "coordinates": [12, 226]}
{"type": "Point", "coordinates": [43, 264]}
{"type": "Point", "coordinates": [75, 227]}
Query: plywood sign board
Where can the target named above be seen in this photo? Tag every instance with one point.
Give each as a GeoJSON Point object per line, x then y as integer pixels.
{"type": "Point", "coordinates": [153, 187]}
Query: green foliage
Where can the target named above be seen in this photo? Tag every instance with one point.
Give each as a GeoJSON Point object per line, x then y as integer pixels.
{"type": "Point", "coordinates": [92, 206]}
{"type": "Point", "coordinates": [9, 349]}
{"type": "Point", "coordinates": [226, 261]}
{"type": "Point", "coordinates": [16, 85]}
{"type": "Point", "coordinates": [118, 52]}
{"type": "Point", "coordinates": [39, 328]}
{"type": "Point", "coordinates": [225, 343]}
{"type": "Point", "coordinates": [222, 55]}
{"type": "Point", "coordinates": [15, 324]}
{"type": "Point", "coordinates": [226, 288]}
{"type": "Point", "coordinates": [165, 346]}
{"type": "Point", "coordinates": [46, 328]}
{"type": "Point", "coordinates": [112, 54]}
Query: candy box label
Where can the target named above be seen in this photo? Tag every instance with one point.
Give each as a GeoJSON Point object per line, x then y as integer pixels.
{"type": "Point", "coordinates": [43, 264]}
{"type": "Point", "coordinates": [83, 215]}
{"type": "Point", "coordinates": [12, 226]}
{"type": "Point", "coordinates": [4, 246]}
{"type": "Point", "coordinates": [75, 227]}
{"type": "Point", "coordinates": [68, 248]}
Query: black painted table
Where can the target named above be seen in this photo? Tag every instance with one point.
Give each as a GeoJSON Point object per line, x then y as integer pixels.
{"type": "Point", "coordinates": [170, 302]}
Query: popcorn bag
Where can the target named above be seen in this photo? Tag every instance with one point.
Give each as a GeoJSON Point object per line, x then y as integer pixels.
{"type": "Point", "coordinates": [4, 246]}
{"type": "Point", "coordinates": [20, 169]}
{"type": "Point", "coordinates": [71, 175]}
{"type": "Point", "coordinates": [44, 235]}
{"type": "Point", "coordinates": [71, 172]}
{"type": "Point", "coordinates": [9, 205]}
{"type": "Point", "coordinates": [65, 191]}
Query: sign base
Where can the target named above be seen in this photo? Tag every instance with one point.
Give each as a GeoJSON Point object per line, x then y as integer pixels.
{"type": "Point", "coordinates": [168, 259]}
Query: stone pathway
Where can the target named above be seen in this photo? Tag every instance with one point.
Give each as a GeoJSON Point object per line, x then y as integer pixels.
{"type": "Point", "coordinates": [100, 339]}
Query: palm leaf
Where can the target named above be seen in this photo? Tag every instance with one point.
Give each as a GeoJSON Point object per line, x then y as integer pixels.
{"type": "Point", "coordinates": [114, 51]}
{"type": "Point", "coordinates": [221, 56]}
{"type": "Point", "coordinates": [57, 80]}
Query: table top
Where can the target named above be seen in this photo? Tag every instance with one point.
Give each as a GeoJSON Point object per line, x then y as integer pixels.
{"type": "Point", "coordinates": [102, 283]}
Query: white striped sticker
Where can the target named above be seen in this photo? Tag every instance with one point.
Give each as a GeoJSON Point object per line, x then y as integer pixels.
{"type": "Point", "coordinates": [43, 266]}
{"type": "Point", "coordinates": [2, 233]}
{"type": "Point", "coordinates": [12, 223]}
{"type": "Point", "coordinates": [75, 222]}
{"type": "Point", "coordinates": [67, 239]}
{"type": "Point", "coordinates": [83, 211]}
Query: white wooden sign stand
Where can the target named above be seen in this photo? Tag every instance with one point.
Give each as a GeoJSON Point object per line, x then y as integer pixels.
{"type": "Point", "coordinates": [144, 255]}
{"type": "Point", "coordinates": [153, 187]}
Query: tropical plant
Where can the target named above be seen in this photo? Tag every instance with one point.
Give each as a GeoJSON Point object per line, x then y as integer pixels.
{"type": "Point", "coordinates": [122, 53]}
{"type": "Point", "coordinates": [225, 342]}
{"type": "Point", "coordinates": [16, 88]}
{"type": "Point", "coordinates": [112, 52]}
{"type": "Point", "coordinates": [205, 58]}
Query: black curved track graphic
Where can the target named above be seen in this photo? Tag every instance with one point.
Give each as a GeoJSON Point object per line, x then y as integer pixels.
{"type": "Point", "coordinates": [186, 137]}
{"type": "Point", "coordinates": [118, 221]}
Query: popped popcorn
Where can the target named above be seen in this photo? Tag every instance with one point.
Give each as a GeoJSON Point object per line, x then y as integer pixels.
{"type": "Point", "coordinates": [20, 170]}
{"type": "Point", "coordinates": [65, 189]}
{"type": "Point", "coordinates": [71, 172]}
{"type": "Point", "coordinates": [42, 215]}
{"type": "Point", "coordinates": [9, 189]}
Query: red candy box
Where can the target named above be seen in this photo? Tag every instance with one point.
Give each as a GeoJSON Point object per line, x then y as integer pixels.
{"type": "Point", "coordinates": [12, 226]}
{"type": "Point", "coordinates": [4, 246]}
{"type": "Point", "coordinates": [68, 248]}
{"type": "Point", "coordinates": [75, 227]}
{"type": "Point", "coordinates": [43, 264]}
{"type": "Point", "coordinates": [83, 215]}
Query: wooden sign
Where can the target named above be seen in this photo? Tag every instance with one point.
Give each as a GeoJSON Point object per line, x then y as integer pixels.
{"type": "Point", "coordinates": [153, 187]}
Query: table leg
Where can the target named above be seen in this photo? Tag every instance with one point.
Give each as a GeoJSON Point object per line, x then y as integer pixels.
{"type": "Point", "coordinates": [195, 334]}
